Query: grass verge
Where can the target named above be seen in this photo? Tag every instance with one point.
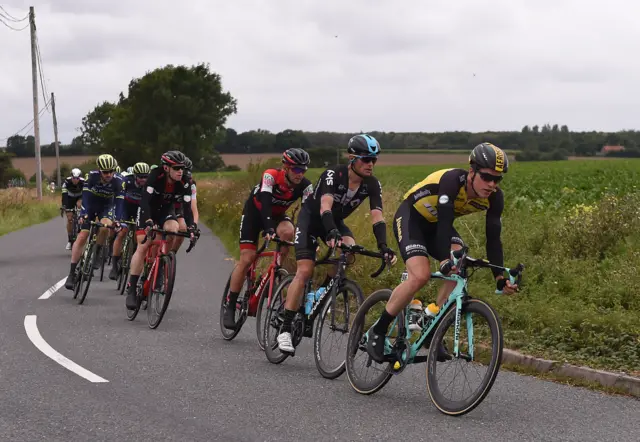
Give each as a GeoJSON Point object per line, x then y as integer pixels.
{"type": "Point", "coordinates": [575, 225]}
{"type": "Point", "coordinates": [19, 208]}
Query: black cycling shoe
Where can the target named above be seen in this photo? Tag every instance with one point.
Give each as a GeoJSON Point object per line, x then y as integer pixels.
{"type": "Point", "coordinates": [70, 283]}
{"type": "Point", "coordinates": [132, 301]}
{"type": "Point", "coordinates": [375, 346]}
{"type": "Point", "coordinates": [229, 316]}
{"type": "Point", "coordinates": [113, 274]}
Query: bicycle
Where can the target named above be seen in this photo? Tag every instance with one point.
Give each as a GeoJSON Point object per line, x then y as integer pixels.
{"type": "Point", "coordinates": [161, 269]}
{"type": "Point", "coordinates": [402, 352]}
{"type": "Point", "coordinates": [85, 267]}
{"type": "Point", "coordinates": [321, 306]}
{"type": "Point", "coordinates": [105, 258]}
{"type": "Point", "coordinates": [75, 226]}
{"type": "Point", "coordinates": [253, 296]}
{"type": "Point", "coordinates": [129, 246]}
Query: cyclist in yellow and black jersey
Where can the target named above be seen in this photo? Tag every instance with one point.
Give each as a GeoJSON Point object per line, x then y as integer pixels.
{"type": "Point", "coordinates": [423, 227]}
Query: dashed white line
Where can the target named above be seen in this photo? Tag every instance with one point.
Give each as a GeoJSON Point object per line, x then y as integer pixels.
{"type": "Point", "coordinates": [34, 334]}
{"type": "Point", "coordinates": [54, 288]}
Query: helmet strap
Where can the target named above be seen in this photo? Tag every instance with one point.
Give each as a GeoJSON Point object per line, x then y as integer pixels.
{"type": "Point", "coordinates": [352, 165]}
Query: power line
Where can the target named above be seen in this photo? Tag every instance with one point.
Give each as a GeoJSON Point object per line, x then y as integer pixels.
{"type": "Point", "coordinates": [11, 27]}
{"type": "Point", "coordinates": [45, 91]}
{"type": "Point", "coordinates": [11, 17]}
{"type": "Point", "coordinates": [28, 125]}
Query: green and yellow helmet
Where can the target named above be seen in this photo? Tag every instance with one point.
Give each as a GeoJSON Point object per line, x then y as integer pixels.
{"type": "Point", "coordinates": [106, 162]}
{"type": "Point", "coordinates": [141, 168]}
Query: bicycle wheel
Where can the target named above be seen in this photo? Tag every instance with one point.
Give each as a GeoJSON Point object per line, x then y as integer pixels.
{"type": "Point", "coordinates": [337, 315]}
{"type": "Point", "coordinates": [482, 353]}
{"type": "Point", "coordinates": [124, 264]}
{"type": "Point", "coordinates": [131, 314]}
{"type": "Point", "coordinates": [273, 323]}
{"type": "Point", "coordinates": [86, 274]}
{"type": "Point", "coordinates": [240, 312]}
{"type": "Point", "coordinates": [279, 275]}
{"type": "Point", "coordinates": [103, 259]}
{"type": "Point", "coordinates": [160, 292]}
{"type": "Point", "coordinates": [361, 324]}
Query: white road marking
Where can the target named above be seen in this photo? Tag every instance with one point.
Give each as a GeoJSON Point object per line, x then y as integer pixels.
{"type": "Point", "coordinates": [34, 334]}
{"type": "Point", "coordinates": [54, 288]}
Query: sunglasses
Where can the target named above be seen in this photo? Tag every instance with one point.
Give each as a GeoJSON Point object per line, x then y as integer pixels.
{"type": "Point", "coordinates": [368, 160]}
{"type": "Point", "coordinates": [107, 172]}
{"type": "Point", "coordinates": [142, 177]}
{"type": "Point", "coordinates": [487, 177]}
{"type": "Point", "coordinates": [177, 167]}
{"type": "Point", "coordinates": [298, 170]}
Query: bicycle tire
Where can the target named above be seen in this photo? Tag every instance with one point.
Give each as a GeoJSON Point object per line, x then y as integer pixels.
{"type": "Point", "coordinates": [279, 275]}
{"type": "Point", "coordinates": [87, 274]}
{"type": "Point", "coordinates": [452, 408]}
{"type": "Point", "coordinates": [347, 286]}
{"type": "Point", "coordinates": [273, 354]}
{"type": "Point", "coordinates": [168, 262]}
{"type": "Point", "coordinates": [131, 314]}
{"type": "Point", "coordinates": [227, 334]}
{"type": "Point", "coordinates": [357, 330]}
{"type": "Point", "coordinates": [103, 260]}
{"type": "Point", "coordinates": [122, 276]}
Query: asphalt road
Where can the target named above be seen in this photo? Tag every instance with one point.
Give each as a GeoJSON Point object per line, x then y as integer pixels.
{"type": "Point", "coordinates": [183, 382]}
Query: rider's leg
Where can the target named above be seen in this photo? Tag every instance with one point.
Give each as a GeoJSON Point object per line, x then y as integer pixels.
{"type": "Point", "coordinates": [178, 240]}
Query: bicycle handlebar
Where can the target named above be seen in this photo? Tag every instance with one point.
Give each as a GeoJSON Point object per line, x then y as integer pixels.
{"type": "Point", "coordinates": [357, 250]}
{"type": "Point", "coordinates": [462, 261]}
{"type": "Point", "coordinates": [276, 240]}
{"type": "Point", "coordinates": [196, 236]}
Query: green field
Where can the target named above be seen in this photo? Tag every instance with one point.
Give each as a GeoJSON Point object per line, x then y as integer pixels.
{"type": "Point", "coordinates": [575, 225]}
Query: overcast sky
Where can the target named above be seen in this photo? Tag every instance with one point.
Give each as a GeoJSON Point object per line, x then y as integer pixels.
{"type": "Point", "coordinates": [340, 65]}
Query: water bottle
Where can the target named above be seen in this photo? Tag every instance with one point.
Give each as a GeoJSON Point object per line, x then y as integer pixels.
{"type": "Point", "coordinates": [320, 292]}
{"type": "Point", "coordinates": [432, 310]}
{"type": "Point", "coordinates": [308, 305]}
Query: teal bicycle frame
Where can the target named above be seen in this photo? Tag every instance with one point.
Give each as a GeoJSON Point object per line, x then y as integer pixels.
{"type": "Point", "coordinates": [458, 295]}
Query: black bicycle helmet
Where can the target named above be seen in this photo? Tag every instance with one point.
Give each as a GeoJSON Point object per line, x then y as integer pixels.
{"type": "Point", "coordinates": [296, 157]}
{"type": "Point", "coordinates": [488, 156]}
{"type": "Point", "coordinates": [188, 164]}
{"type": "Point", "coordinates": [363, 145]}
{"type": "Point", "coordinates": [173, 158]}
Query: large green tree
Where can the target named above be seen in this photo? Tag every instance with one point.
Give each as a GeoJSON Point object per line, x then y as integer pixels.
{"type": "Point", "coordinates": [173, 107]}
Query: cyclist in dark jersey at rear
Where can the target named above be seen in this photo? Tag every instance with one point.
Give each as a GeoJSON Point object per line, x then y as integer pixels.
{"type": "Point", "coordinates": [72, 197]}
{"type": "Point", "coordinates": [265, 210]}
{"type": "Point", "coordinates": [337, 194]}
{"type": "Point", "coordinates": [165, 186]}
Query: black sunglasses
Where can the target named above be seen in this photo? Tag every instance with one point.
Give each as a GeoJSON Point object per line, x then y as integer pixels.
{"type": "Point", "coordinates": [487, 177]}
{"type": "Point", "coordinates": [107, 172]}
{"type": "Point", "coordinates": [142, 176]}
{"type": "Point", "coordinates": [177, 167]}
{"type": "Point", "coordinates": [298, 169]}
{"type": "Point", "coordinates": [368, 160]}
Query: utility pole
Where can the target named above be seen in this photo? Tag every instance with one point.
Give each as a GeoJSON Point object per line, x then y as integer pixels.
{"type": "Point", "coordinates": [55, 133]}
{"type": "Point", "coordinates": [36, 121]}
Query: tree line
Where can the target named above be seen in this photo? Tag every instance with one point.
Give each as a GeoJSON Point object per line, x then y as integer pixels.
{"type": "Point", "coordinates": [186, 108]}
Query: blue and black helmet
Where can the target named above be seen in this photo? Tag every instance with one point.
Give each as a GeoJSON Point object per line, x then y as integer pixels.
{"type": "Point", "coordinates": [363, 145]}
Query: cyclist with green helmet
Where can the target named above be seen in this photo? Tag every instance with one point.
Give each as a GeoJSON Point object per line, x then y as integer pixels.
{"type": "Point", "coordinates": [132, 187]}
{"type": "Point", "coordinates": [101, 195]}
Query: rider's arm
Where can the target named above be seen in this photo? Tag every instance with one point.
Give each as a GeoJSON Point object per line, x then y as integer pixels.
{"type": "Point", "coordinates": [65, 194]}
{"type": "Point", "coordinates": [119, 197]}
{"type": "Point", "coordinates": [194, 202]}
{"type": "Point", "coordinates": [185, 207]}
{"type": "Point", "coordinates": [86, 195]}
{"type": "Point", "coordinates": [493, 230]}
{"type": "Point", "coordinates": [448, 191]}
{"type": "Point", "coordinates": [265, 193]}
{"type": "Point", "coordinates": [375, 205]}
{"type": "Point", "coordinates": [147, 194]}
{"type": "Point", "coordinates": [326, 186]}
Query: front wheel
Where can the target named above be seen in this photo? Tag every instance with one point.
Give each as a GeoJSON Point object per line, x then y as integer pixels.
{"type": "Point", "coordinates": [334, 323]}
{"type": "Point", "coordinates": [240, 313]}
{"type": "Point", "coordinates": [161, 289]}
{"type": "Point", "coordinates": [480, 349]}
{"type": "Point", "coordinates": [273, 322]}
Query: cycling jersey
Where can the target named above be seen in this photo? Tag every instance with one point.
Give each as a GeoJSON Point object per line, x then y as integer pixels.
{"type": "Point", "coordinates": [71, 192]}
{"type": "Point", "coordinates": [335, 182]}
{"type": "Point", "coordinates": [99, 197]}
{"type": "Point", "coordinates": [132, 196]}
{"type": "Point", "coordinates": [424, 221]}
{"type": "Point", "coordinates": [274, 195]}
{"type": "Point", "coordinates": [163, 197]}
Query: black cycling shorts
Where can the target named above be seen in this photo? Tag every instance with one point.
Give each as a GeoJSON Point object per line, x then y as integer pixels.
{"type": "Point", "coordinates": [310, 227]}
{"type": "Point", "coordinates": [98, 211]}
{"type": "Point", "coordinates": [251, 225]}
{"type": "Point", "coordinates": [159, 216]}
{"type": "Point", "coordinates": [72, 201]}
{"type": "Point", "coordinates": [415, 235]}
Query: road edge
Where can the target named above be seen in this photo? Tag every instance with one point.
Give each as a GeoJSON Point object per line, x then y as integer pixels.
{"type": "Point", "coordinates": [618, 381]}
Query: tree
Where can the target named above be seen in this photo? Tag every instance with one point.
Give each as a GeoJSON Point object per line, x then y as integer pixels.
{"type": "Point", "coordinates": [93, 124]}
{"type": "Point", "coordinates": [174, 107]}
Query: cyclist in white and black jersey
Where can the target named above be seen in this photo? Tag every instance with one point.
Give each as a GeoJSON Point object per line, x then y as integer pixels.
{"type": "Point", "coordinates": [337, 194]}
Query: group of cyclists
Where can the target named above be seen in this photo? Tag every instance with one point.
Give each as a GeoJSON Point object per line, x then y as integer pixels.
{"type": "Point", "coordinates": [165, 196]}
{"type": "Point", "coordinates": [147, 196]}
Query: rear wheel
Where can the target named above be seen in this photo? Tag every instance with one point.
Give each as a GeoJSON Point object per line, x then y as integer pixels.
{"type": "Point", "coordinates": [160, 292]}
{"type": "Point", "coordinates": [240, 312]}
{"type": "Point", "coordinates": [273, 322]}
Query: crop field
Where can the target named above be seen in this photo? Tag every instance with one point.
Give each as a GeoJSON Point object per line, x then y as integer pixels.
{"type": "Point", "coordinates": [574, 224]}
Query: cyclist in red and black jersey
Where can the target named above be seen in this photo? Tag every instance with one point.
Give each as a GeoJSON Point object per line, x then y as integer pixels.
{"type": "Point", "coordinates": [265, 210]}
{"type": "Point", "coordinates": [193, 204]}
{"type": "Point", "coordinates": [165, 187]}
